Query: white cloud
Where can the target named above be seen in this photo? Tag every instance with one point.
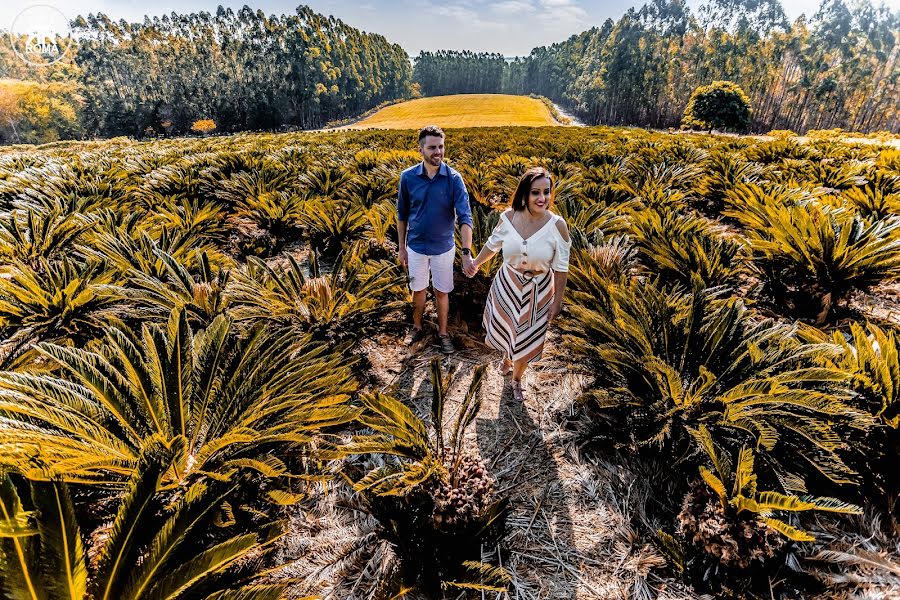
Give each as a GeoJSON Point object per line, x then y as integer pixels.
{"type": "Point", "coordinates": [513, 7]}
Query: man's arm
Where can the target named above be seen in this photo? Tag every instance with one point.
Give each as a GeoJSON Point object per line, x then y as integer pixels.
{"type": "Point", "coordinates": [464, 219]}
{"type": "Point", "coordinates": [465, 234]}
{"type": "Point", "coordinates": [402, 218]}
{"type": "Point", "coordinates": [402, 254]}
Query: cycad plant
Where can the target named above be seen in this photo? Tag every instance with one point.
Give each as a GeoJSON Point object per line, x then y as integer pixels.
{"type": "Point", "coordinates": [666, 361]}
{"type": "Point", "coordinates": [30, 235]}
{"type": "Point", "coordinates": [126, 245]}
{"type": "Point", "coordinates": [241, 402]}
{"type": "Point", "coordinates": [614, 259]}
{"type": "Point", "coordinates": [680, 248]}
{"type": "Point", "coordinates": [201, 296]}
{"type": "Point", "coordinates": [346, 304]}
{"type": "Point", "coordinates": [873, 202]}
{"type": "Point", "coordinates": [721, 172]}
{"type": "Point", "coordinates": [66, 300]}
{"type": "Point", "coordinates": [871, 357]}
{"type": "Point", "coordinates": [332, 225]}
{"type": "Point", "coordinates": [158, 545]}
{"type": "Point", "coordinates": [810, 257]}
{"type": "Point", "coordinates": [589, 220]}
{"type": "Point", "coordinates": [381, 223]}
{"type": "Point", "coordinates": [436, 502]}
{"type": "Point", "coordinates": [734, 529]}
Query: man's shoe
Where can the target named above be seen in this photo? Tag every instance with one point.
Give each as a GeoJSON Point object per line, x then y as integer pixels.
{"type": "Point", "coordinates": [416, 335]}
{"type": "Point", "coordinates": [446, 344]}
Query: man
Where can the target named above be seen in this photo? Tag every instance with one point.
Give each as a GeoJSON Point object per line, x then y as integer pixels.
{"type": "Point", "coordinates": [431, 199]}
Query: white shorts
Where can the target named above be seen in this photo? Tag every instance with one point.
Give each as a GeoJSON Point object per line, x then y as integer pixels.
{"type": "Point", "coordinates": [440, 267]}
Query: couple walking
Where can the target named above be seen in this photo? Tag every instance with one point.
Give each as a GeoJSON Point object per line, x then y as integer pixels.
{"type": "Point", "coordinates": [527, 292]}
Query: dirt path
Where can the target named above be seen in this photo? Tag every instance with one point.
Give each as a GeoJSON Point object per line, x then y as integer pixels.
{"type": "Point", "coordinates": [569, 534]}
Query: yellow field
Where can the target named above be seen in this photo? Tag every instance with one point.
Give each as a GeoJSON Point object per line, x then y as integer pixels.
{"type": "Point", "coordinates": [462, 110]}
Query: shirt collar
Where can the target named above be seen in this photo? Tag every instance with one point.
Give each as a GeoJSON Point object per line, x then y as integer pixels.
{"type": "Point", "coordinates": [442, 170]}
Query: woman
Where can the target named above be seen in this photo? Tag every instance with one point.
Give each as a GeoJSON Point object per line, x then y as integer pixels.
{"type": "Point", "coordinates": [527, 292]}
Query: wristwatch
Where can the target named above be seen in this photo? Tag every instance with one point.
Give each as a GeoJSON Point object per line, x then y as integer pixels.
{"type": "Point", "coordinates": [466, 252]}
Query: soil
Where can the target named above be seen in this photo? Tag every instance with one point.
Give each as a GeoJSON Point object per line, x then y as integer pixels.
{"type": "Point", "coordinates": [569, 533]}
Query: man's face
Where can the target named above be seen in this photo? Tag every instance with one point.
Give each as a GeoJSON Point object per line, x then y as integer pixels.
{"type": "Point", "coordinates": [432, 149]}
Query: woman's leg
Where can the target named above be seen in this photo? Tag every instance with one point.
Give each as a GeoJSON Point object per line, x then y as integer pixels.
{"type": "Point", "coordinates": [518, 371]}
{"type": "Point", "coordinates": [519, 367]}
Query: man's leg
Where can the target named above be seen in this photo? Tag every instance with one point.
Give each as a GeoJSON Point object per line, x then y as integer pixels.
{"type": "Point", "coordinates": [419, 298]}
{"type": "Point", "coordinates": [419, 266]}
{"type": "Point", "coordinates": [442, 285]}
{"type": "Point", "coordinates": [442, 300]}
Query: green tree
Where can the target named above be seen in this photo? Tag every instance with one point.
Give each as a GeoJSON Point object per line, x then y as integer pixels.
{"type": "Point", "coordinates": [719, 105]}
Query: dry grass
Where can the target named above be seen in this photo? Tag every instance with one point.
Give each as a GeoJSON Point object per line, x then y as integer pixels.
{"type": "Point", "coordinates": [570, 535]}
{"type": "Point", "coordinates": [463, 110]}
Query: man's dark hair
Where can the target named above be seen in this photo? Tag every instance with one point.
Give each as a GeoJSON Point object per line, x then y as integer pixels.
{"type": "Point", "coordinates": [520, 197]}
{"type": "Point", "coordinates": [430, 130]}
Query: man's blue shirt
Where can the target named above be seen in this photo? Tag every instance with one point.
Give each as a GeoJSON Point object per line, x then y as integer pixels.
{"type": "Point", "coordinates": [430, 207]}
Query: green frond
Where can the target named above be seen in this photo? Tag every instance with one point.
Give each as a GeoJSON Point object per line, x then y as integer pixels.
{"type": "Point", "coordinates": [671, 548]}
{"type": "Point", "coordinates": [717, 485]}
{"type": "Point", "coordinates": [20, 557]}
{"type": "Point", "coordinates": [62, 550]}
{"type": "Point", "coordinates": [792, 533]}
{"type": "Point", "coordinates": [132, 526]}
{"type": "Point", "coordinates": [481, 577]}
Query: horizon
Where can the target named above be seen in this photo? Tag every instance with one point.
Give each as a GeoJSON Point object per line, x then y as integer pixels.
{"type": "Point", "coordinates": [492, 27]}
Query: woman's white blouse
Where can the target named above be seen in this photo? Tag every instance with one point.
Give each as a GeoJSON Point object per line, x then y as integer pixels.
{"type": "Point", "coordinates": [545, 249]}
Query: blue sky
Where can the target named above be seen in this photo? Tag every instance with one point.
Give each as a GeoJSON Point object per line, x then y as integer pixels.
{"type": "Point", "coordinates": [511, 27]}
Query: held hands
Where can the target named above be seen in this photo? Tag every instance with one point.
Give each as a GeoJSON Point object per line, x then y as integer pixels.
{"type": "Point", "coordinates": [468, 266]}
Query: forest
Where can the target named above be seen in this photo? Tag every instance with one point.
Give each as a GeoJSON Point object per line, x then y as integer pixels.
{"type": "Point", "coordinates": [836, 69]}
{"type": "Point", "coordinates": [245, 70]}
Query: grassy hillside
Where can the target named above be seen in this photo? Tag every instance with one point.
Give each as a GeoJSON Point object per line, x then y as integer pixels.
{"type": "Point", "coordinates": [461, 110]}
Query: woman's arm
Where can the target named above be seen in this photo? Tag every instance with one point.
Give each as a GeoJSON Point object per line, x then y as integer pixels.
{"type": "Point", "coordinates": [560, 277]}
{"type": "Point", "coordinates": [559, 289]}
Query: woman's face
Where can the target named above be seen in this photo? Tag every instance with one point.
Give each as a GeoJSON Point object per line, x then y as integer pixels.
{"type": "Point", "coordinates": [539, 197]}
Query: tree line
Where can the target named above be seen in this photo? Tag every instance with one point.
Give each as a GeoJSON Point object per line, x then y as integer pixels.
{"type": "Point", "coordinates": [837, 69]}
{"type": "Point", "coordinates": [246, 70]}
{"type": "Point", "coordinates": [448, 71]}
{"type": "Point", "coordinates": [243, 69]}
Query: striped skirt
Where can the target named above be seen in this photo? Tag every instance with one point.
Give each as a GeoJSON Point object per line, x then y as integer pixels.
{"type": "Point", "coordinates": [517, 313]}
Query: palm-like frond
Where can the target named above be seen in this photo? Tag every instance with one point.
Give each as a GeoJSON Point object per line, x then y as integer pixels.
{"type": "Point", "coordinates": [820, 251]}
{"type": "Point", "coordinates": [722, 172]}
{"type": "Point", "coordinates": [151, 550]}
{"type": "Point", "coordinates": [56, 301]}
{"type": "Point", "coordinates": [331, 225]}
{"type": "Point", "coordinates": [737, 491]}
{"type": "Point", "coordinates": [235, 398]}
{"type": "Point", "coordinates": [679, 248]}
{"type": "Point", "coordinates": [343, 304]}
{"type": "Point", "coordinates": [30, 235]}
{"type": "Point", "coordinates": [202, 295]}
{"type": "Point", "coordinates": [665, 361]}
{"type": "Point", "coordinates": [615, 259]}
{"type": "Point", "coordinates": [128, 247]}
{"type": "Point", "coordinates": [324, 180]}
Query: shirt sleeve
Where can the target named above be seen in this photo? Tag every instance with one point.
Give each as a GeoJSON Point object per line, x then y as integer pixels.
{"type": "Point", "coordinates": [402, 200]}
{"type": "Point", "coordinates": [495, 242]}
{"type": "Point", "coordinates": [560, 260]}
{"type": "Point", "coordinates": [461, 199]}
